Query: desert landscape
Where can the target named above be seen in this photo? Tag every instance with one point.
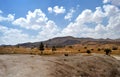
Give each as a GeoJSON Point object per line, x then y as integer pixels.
{"type": "Point", "coordinates": [63, 45]}
{"type": "Point", "coordinates": [68, 59]}
{"type": "Point", "coordinates": [59, 38]}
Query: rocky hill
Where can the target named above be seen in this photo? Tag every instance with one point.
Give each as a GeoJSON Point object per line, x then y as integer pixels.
{"type": "Point", "coordinates": [69, 40]}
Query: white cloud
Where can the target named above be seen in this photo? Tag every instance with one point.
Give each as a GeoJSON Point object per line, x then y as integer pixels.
{"type": "Point", "coordinates": [104, 22]}
{"type": "Point", "coordinates": [114, 2]}
{"type": "Point", "coordinates": [34, 20]}
{"type": "Point", "coordinates": [50, 9]}
{"type": "Point", "coordinates": [98, 15]}
{"type": "Point", "coordinates": [85, 16]}
{"type": "Point", "coordinates": [38, 21]}
{"type": "Point", "coordinates": [12, 36]}
{"type": "Point", "coordinates": [15, 36]}
{"type": "Point", "coordinates": [56, 9]}
{"type": "Point", "coordinates": [114, 22]}
{"type": "Point", "coordinates": [49, 31]}
{"type": "Point", "coordinates": [110, 10]}
{"type": "Point", "coordinates": [69, 15]}
{"type": "Point", "coordinates": [59, 10]}
{"type": "Point", "coordinates": [10, 17]}
{"type": "Point", "coordinates": [106, 1]}
{"type": "Point", "coordinates": [80, 28]}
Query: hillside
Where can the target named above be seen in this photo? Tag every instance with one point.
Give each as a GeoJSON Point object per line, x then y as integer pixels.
{"type": "Point", "coordinates": [69, 40]}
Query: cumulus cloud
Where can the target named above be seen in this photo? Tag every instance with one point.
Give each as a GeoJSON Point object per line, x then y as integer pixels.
{"type": "Point", "coordinates": [50, 9]}
{"type": "Point", "coordinates": [88, 16]}
{"type": "Point", "coordinates": [56, 9]}
{"type": "Point", "coordinates": [81, 26]}
{"type": "Point", "coordinates": [106, 1]}
{"type": "Point", "coordinates": [69, 15]}
{"type": "Point", "coordinates": [38, 21]}
{"type": "Point", "coordinates": [51, 30]}
{"type": "Point", "coordinates": [114, 2]}
{"type": "Point", "coordinates": [10, 17]}
{"type": "Point", "coordinates": [12, 36]}
{"type": "Point", "coordinates": [104, 22]}
{"type": "Point", "coordinates": [34, 20]}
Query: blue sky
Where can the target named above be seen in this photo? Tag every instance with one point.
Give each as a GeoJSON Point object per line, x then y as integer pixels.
{"type": "Point", "coordinates": [37, 20]}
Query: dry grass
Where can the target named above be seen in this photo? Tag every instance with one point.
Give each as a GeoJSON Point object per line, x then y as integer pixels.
{"type": "Point", "coordinates": [78, 48]}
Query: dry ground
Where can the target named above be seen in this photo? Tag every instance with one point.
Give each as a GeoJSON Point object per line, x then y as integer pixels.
{"type": "Point", "coordinates": [78, 48]}
{"type": "Point", "coordinates": [77, 65]}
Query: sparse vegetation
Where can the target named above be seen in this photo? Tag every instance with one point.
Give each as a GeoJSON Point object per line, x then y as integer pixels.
{"type": "Point", "coordinates": [48, 49]}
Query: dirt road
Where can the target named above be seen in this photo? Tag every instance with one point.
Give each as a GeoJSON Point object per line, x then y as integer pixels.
{"type": "Point", "coordinates": [117, 57]}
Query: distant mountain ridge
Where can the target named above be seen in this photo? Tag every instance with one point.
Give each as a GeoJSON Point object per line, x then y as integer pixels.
{"type": "Point", "coordinates": [69, 40]}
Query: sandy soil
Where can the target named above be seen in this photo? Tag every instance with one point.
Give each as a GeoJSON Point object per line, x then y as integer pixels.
{"type": "Point", "coordinates": [59, 66]}
{"type": "Point", "coordinates": [117, 57]}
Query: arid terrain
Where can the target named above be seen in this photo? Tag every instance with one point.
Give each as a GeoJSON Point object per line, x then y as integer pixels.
{"type": "Point", "coordinates": [76, 65]}
{"type": "Point", "coordinates": [69, 59]}
{"type": "Point", "coordinates": [59, 38]}
{"type": "Point", "coordinates": [66, 44]}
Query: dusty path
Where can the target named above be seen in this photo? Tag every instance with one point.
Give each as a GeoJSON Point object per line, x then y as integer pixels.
{"type": "Point", "coordinates": [117, 57]}
{"type": "Point", "coordinates": [58, 66]}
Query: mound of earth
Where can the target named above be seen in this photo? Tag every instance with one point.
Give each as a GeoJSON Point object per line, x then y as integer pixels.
{"type": "Point", "coordinates": [59, 66]}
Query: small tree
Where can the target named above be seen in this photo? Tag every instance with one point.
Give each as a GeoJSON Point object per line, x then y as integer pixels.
{"type": "Point", "coordinates": [41, 48]}
{"type": "Point", "coordinates": [88, 51]}
{"type": "Point", "coordinates": [53, 49]}
{"type": "Point", "coordinates": [108, 51]}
